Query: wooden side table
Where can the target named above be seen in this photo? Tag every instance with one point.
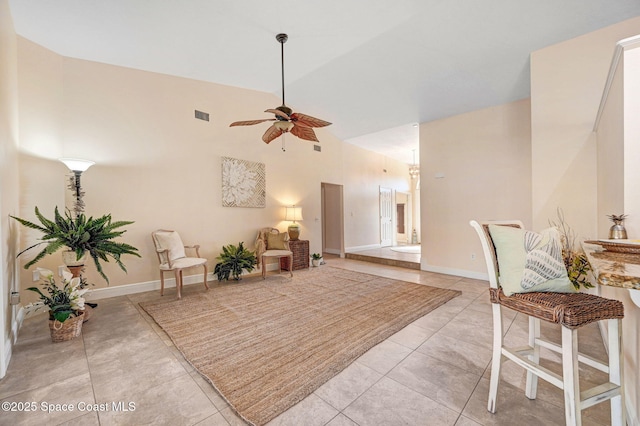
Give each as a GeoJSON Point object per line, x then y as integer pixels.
{"type": "Point", "coordinates": [300, 249]}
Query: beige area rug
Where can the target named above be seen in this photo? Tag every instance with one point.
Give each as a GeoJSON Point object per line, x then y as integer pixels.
{"type": "Point", "coordinates": [267, 344]}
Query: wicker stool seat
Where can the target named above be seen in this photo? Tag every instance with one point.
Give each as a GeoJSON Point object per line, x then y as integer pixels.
{"type": "Point", "coordinates": [571, 311]}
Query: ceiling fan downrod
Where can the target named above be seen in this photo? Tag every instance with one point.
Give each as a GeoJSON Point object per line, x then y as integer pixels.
{"type": "Point", "coordinates": [282, 39]}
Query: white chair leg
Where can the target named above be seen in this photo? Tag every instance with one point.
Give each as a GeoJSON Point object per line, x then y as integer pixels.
{"type": "Point", "coordinates": [572, 410]}
{"type": "Point", "coordinates": [532, 379]}
{"type": "Point", "coordinates": [497, 357]}
{"type": "Point", "coordinates": [161, 283]}
{"type": "Point", "coordinates": [616, 361]}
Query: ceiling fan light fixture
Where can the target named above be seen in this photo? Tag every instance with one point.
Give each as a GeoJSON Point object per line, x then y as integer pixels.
{"type": "Point", "coordinates": [284, 126]}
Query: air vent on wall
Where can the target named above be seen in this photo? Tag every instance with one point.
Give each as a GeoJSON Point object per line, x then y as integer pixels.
{"type": "Point", "coordinates": [317, 148]}
{"type": "Point", "coordinates": [202, 115]}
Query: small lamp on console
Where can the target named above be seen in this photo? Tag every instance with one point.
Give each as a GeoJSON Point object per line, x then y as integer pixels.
{"type": "Point", "coordinates": [293, 213]}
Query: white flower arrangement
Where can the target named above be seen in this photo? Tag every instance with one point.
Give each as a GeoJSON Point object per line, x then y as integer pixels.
{"type": "Point", "coordinates": [63, 302]}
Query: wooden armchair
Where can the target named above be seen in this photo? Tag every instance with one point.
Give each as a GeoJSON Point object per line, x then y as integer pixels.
{"type": "Point", "coordinates": [172, 257]}
{"type": "Point", "coordinates": [272, 243]}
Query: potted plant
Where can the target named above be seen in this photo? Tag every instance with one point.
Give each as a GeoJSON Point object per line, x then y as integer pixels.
{"type": "Point", "coordinates": [233, 260]}
{"type": "Point", "coordinates": [82, 236]}
{"type": "Point", "coordinates": [65, 304]}
{"type": "Point", "coordinates": [575, 260]}
{"type": "Point", "coordinates": [316, 259]}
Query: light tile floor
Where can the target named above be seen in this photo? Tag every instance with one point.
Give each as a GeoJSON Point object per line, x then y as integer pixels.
{"type": "Point", "coordinates": [433, 372]}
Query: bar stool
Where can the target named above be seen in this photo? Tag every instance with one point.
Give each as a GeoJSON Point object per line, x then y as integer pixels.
{"type": "Point", "coordinates": [571, 311]}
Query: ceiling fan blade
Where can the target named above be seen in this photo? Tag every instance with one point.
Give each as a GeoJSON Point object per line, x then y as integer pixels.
{"type": "Point", "coordinates": [309, 121]}
{"type": "Point", "coordinates": [250, 122]}
{"type": "Point", "coordinates": [271, 133]}
{"type": "Point", "coordinates": [304, 132]}
{"type": "Point", "coordinates": [278, 113]}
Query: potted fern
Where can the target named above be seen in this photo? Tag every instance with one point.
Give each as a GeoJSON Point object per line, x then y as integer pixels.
{"type": "Point", "coordinates": [233, 260]}
{"type": "Point", "coordinates": [81, 236]}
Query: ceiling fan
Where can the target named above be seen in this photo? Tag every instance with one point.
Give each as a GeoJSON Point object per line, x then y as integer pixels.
{"type": "Point", "coordinates": [300, 125]}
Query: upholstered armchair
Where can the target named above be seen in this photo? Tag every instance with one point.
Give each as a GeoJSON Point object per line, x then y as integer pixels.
{"type": "Point", "coordinates": [272, 243]}
{"type": "Point", "coordinates": [172, 257]}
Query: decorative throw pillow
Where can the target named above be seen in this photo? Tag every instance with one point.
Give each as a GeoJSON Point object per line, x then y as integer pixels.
{"type": "Point", "coordinates": [276, 241]}
{"type": "Point", "coordinates": [528, 261]}
{"type": "Point", "coordinates": [171, 241]}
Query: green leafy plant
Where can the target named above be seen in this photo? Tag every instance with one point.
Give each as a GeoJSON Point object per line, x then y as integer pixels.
{"type": "Point", "coordinates": [63, 302]}
{"type": "Point", "coordinates": [233, 260]}
{"type": "Point", "coordinates": [575, 260]}
{"type": "Point", "coordinates": [316, 256]}
{"type": "Point", "coordinates": [82, 235]}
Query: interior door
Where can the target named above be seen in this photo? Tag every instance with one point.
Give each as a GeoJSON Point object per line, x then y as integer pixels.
{"type": "Point", "coordinates": [386, 217]}
{"type": "Point", "coordinates": [332, 218]}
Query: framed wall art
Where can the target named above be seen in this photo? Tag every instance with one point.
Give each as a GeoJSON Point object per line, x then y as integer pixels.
{"type": "Point", "coordinates": [243, 183]}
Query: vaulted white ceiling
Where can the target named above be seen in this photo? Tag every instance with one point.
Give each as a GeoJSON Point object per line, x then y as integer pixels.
{"type": "Point", "coordinates": [372, 67]}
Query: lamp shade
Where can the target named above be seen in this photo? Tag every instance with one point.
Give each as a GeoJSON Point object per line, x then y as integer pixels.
{"type": "Point", "coordinates": [76, 164]}
{"type": "Point", "coordinates": [293, 213]}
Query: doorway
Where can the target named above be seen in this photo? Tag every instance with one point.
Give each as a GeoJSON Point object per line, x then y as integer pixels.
{"type": "Point", "coordinates": [403, 218]}
{"type": "Point", "coordinates": [386, 217]}
{"type": "Point", "coordinates": [332, 219]}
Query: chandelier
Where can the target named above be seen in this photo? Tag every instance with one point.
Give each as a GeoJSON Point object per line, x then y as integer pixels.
{"type": "Point", "coordinates": [414, 169]}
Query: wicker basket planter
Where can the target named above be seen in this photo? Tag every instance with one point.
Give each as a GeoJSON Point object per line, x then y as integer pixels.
{"type": "Point", "coordinates": [64, 331]}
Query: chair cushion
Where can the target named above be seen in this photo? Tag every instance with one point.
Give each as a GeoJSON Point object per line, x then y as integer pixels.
{"type": "Point", "coordinates": [530, 262]}
{"type": "Point", "coordinates": [276, 253]}
{"type": "Point", "coordinates": [276, 241]}
{"type": "Point", "coordinates": [184, 262]}
{"type": "Point", "coordinates": [170, 240]}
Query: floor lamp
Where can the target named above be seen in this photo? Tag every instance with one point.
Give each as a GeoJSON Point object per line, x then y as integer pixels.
{"type": "Point", "coordinates": [77, 166]}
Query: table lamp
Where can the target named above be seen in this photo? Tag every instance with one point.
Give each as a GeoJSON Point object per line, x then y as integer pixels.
{"type": "Point", "coordinates": [293, 213]}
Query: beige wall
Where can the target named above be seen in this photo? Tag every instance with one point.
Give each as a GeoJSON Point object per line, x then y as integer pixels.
{"type": "Point", "coordinates": [160, 167]}
{"type": "Point", "coordinates": [610, 156]}
{"type": "Point", "coordinates": [631, 322]}
{"type": "Point", "coordinates": [567, 80]}
{"type": "Point", "coordinates": [632, 139]}
{"type": "Point", "coordinates": [570, 171]}
{"type": "Point", "coordinates": [9, 184]}
{"type": "Point", "coordinates": [485, 159]}
{"type": "Point", "coordinates": [365, 172]}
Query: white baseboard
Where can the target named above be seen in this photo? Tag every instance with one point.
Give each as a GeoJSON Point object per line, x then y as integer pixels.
{"type": "Point", "coordinates": [123, 290]}
{"type": "Point", "coordinates": [452, 271]}
{"type": "Point", "coordinates": [17, 324]}
{"type": "Point", "coordinates": [7, 359]}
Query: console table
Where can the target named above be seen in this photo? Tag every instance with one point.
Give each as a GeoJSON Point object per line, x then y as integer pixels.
{"type": "Point", "coordinates": [300, 249]}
